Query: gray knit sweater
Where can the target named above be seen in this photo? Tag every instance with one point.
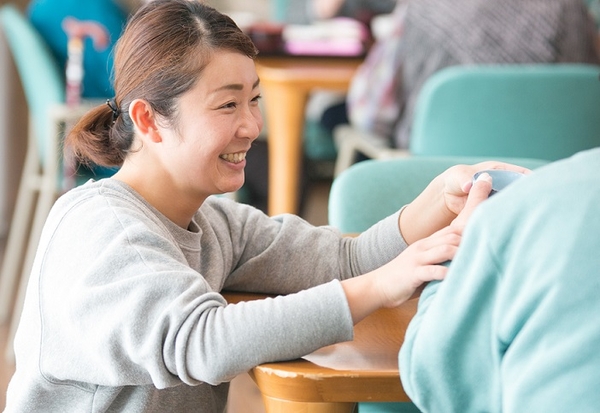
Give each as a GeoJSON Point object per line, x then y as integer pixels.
{"type": "Point", "coordinates": [123, 311]}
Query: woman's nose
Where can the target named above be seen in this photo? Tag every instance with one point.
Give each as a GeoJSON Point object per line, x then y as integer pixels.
{"type": "Point", "coordinates": [251, 124]}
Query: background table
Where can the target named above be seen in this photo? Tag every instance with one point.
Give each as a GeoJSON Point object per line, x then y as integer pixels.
{"type": "Point", "coordinates": [287, 83]}
{"type": "Point", "coordinates": [334, 378]}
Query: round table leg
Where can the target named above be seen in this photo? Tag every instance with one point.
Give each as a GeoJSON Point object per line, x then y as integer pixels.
{"type": "Point", "coordinates": [285, 124]}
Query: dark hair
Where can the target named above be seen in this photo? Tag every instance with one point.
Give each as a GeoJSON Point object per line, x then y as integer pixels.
{"type": "Point", "coordinates": [160, 55]}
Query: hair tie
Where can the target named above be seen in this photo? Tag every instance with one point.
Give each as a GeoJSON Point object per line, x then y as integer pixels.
{"type": "Point", "coordinates": [112, 104]}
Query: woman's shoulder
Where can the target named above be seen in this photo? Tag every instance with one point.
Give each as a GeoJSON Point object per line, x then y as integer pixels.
{"type": "Point", "coordinates": [102, 202]}
{"type": "Point", "coordinates": [105, 191]}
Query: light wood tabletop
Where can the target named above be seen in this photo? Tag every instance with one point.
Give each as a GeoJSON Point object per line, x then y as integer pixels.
{"type": "Point", "coordinates": [336, 377]}
{"type": "Point", "coordinates": [287, 83]}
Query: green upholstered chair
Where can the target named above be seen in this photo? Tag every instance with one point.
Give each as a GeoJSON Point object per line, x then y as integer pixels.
{"type": "Point", "coordinates": [546, 111]}
{"type": "Point", "coordinates": [542, 111]}
{"type": "Point", "coordinates": [44, 88]}
{"type": "Point", "coordinates": [372, 190]}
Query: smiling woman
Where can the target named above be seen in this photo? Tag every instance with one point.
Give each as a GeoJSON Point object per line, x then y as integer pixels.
{"type": "Point", "coordinates": [130, 270]}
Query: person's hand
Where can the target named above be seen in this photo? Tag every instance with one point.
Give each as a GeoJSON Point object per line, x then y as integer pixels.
{"type": "Point", "coordinates": [420, 263]}
{"type": "Point", "coordinates": [444, 199]}
{"type": "Point", "coordinates": [395, 282]}
{"type": "Point", "coordinates": [457, 182]}
{"type": "Point", "coordinates": [479, 191]}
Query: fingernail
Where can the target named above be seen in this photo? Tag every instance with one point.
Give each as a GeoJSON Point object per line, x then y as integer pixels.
{"type": "Point", "coordinates": [484, 176]}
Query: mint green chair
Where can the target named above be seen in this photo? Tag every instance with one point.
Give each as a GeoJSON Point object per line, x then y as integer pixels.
{"type": "Point", "coordinates": [371, 190]}
{"type": "Point", "coordinates": [42, 176]}
{"type": "Point", "coordinates": [44, 88]}
{"type": "Point", "coordinates": [543, 111]}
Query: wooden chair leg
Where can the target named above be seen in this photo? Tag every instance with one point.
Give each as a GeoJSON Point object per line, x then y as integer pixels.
{"type": "Point", "coordinates": [346, 148]}
{"type": "Point", "coordinates": [47, 179]}
{"type": "Point", "coordinates": [14, 253]}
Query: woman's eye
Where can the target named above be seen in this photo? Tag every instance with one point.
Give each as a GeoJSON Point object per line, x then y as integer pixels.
{"type": "Point", "coordinates": [256, 98]}
{"type": "Point", "coordinates": [229, 105]}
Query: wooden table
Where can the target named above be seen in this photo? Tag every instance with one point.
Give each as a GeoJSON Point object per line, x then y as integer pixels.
{"type": "Point", "coordinates": [334, 378]}
{"type": "Point", "coordinates": [287, 83]}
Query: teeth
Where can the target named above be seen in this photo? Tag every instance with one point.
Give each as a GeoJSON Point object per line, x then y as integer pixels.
{"type": "Point", "coordinates": [234, 157]}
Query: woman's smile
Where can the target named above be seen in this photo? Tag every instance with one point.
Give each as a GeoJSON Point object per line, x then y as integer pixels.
{"type": "Point", "coordinates": [234, 157]}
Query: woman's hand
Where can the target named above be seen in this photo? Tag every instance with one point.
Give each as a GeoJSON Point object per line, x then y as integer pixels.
{"type": "Point", "coordinates": [444, 199]}
{"type": "Point", "coordinates": [395, 282]}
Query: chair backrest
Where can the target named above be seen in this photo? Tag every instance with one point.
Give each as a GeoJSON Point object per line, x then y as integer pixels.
{"type": "Point", "coordinates": [374, 189]}
{"type": "Point", "coordinates": [543, 111]}
{"type": "Point", "coordinates": [40, 73]}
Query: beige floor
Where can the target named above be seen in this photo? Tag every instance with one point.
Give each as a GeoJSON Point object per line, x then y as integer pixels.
{"type": "Point", "coordinates": [244, 395]}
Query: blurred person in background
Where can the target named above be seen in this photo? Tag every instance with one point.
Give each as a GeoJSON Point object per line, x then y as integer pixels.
{"type": "Point", "coordinates": [433, 34]}
{"type": "Point", "coordinates": [111, 15]}
{"type": "Point", "coordinates": [98, 24]}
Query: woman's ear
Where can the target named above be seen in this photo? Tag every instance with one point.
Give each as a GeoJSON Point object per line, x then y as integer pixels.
{"type": "Point", "coordinates": [143, 118]}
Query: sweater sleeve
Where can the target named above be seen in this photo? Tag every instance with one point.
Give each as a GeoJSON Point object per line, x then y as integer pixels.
{"type": "Point", "coordinates": [445, 362]}
{"type": "Point", "coordinates": [285, 254]}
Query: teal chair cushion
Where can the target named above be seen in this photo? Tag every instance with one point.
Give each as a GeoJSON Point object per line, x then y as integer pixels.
{"type": "Point", "coordinates": [43, 83]}
{"type": "Point", "coordinates": [542, 111]}
{"type": "Point", "coordinates": [387, 408]}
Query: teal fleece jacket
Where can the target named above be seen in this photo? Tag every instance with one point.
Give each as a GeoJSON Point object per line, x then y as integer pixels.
{"type": "Point", "coordinates": [515, 325]}
{"type": "Point", "coordinates": [123, 311]}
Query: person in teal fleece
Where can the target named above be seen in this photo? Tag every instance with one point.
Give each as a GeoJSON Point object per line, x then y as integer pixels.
{"type": "Point", "coordinates": [513, 327]}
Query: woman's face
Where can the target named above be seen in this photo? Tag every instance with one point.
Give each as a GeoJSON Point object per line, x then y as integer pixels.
{"type": "Point", "coordinates": [216, 122]}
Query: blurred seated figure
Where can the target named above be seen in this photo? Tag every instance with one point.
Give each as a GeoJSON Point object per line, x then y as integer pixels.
{"type": "Point", "coordinates": [433, 34]}
{"type": "Point", "coordinates": [48, 16]}
{"type": "Point", "coordinates": [104, 20]}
